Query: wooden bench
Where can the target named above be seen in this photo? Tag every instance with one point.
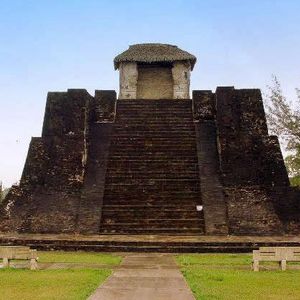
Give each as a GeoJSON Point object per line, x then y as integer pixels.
{"type": "Point", "coordinates": [19, 253]}
{"type": "Point", "coordinates": [282, 255]}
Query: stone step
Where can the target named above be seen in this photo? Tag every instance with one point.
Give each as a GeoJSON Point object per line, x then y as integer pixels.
{"type": "Point", "coordinates": [142, 158]}
{"type": "Point", "coordinates": [152, 208]}
{"type": "Point", "coordinates": [157, 147]}
{"type": "Point", "coordinates": [158, 108]}
{"type": "Point", "coordinates": [141, 206]}
{"type": "Point", "coordinates": [148, 128]}
{"type": "Point", "coordinates": [152, 111]}
{"type": "Point", "coordinates": [163, 152]}
{"type": "Point", "coordinates": [142, 223]}
{"type": "Point", "coordinates": [151, 200]}
{"type": "Point", "coordinates": [125, 177]}
{"type": "Point", "coordinates": [153, 160]}
{"type": "Point", "coordinates": [119, 159]}
{"type": "Point", "coordinates": [120, 204]}
{"type": "Point", "coordinates": [155, 111]}
{"type": "Point", "coordinates": [135, 187]}
{"type": "Point", "coordinates": [188, 151]}
{"type": "Point", "coordinates": [141, 119]}
{"type": "Point", "coordinates": [148, 155]}
{"type": "Point", "coordinates": [164, 135]}
{"type": "Point", "coordinates": [172, 117]}
{"type": "Point", "coordinates": [154, 139]}
{"type": "Point", "coordinates": [154, 103]}
{"type": "Point", "coordinates": [157, 210]}
{"type": "Point", "coordinates": [149, 194]}
{"type": "Point", "coordinates": [154, 171]}
{"type": "Point", "coordinates": [163, 170]}
{"type": "Point", "coordinates": [123, 181]}
{"type": "Point", "coordinates": [123, 216]}
{"type": "Point", "coordinates": [175, 243]}
{"type": "Point", "coordinates": [151, 102]}
{"type": "Point", "coordinates": [147, 161]}
{"type": "Point", "coordinates": [148, 182]}
{"type": "Point", "coordinates": [181, 182]}
{"type": "Point", "coordinates": [181, 138]}
{"type": "Point", "coordinates": [190, 143]}
{"type": "Point", "coordinates": [147, 142]}
{"type": "Point", "coordinates": [153, 116]}
{"type": "Point", "coordinates": [159, 102]}
{"type": "Point", "coordinates": [134, 157]}
{"type": "Point", "coordinates": [155, 166]}
{"type": "Point", "coordinates": [153, 127]}
{"type": "Point", "coordinates": [153, 155]}
{"type": "Point", "coordinates": [161, 230]}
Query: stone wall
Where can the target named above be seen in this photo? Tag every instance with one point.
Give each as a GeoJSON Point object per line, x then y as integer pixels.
{"type": "Point", "coordinates": [250, 175]}
{"type": "Point", "coordinates": [251, 211]}
{"type": "Point", "coordinates": [51, 191]}
{"type": "Point", "coordinates": [212, 194]}
{"type": "Point", "coordinates": [244, 183]}
{"type": "Point", "coordinates": [251, 164]}
{"type": "Point", "coordinates": [181, 73]}
{"type": "Point", "coordinates": [248, 155]}
{"type": "Point", "coordinates": [204, 105]}
{"type": "Point", "coordinates": [128, 73]}
{"type": "Point", "coordinates": [154, 82]}
{"type": "Point", "coordinates": [101, 118]}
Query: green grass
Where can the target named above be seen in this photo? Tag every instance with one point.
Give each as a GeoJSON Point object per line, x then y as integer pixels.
{"type": "Point", "coordinates": [228, 276]}
{"type": "Point", "coordinates": [50, 284]}
{"type": "Point", "coordinates": [57, 284]}
{"type": "Point", "coordinates": [79, 257]}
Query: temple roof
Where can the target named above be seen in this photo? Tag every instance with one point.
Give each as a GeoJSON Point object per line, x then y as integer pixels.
{"type": "Point", "coordinates": [154, 53]}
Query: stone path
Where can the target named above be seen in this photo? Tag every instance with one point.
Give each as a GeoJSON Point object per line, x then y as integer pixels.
{"type": "Point", "coordinates": [145, 277]}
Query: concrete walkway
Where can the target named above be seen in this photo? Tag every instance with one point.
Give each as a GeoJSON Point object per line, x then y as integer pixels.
{"type": "Point", "coordinates": [145, 277]}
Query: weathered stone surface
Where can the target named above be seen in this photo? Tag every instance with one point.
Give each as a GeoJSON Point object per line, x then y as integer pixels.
{"type": "Point", "coordinates": [214, 205]}
{"type": "Point", "coordinates": [49, 194]}
{"type": "Point", "coordinates": [154, 71]}
{"type": "Point", "coordinates": [152, 179]}
{"type": "Point", "coordinates": [204, 106]}
{"type": "Point", "coordinates": [251, 210]}
{"type": "Point", "coordinates": [181, 73]}
{"type": "Point", "coordinates": [154, 82]}
{"type": "Point", "coordinates": [250, 162]}
{"type": "Point", "coordinates": [103, 107]}
{"type": "Point", "coordinates": [128, 80]}
{"type": "Point", "coordinates": [103, 165]}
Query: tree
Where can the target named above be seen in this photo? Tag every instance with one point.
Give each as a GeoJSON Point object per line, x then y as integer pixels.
{"type": "Point", "coordinates": [284, 120]}
{"type": "Point", "coordinates": [3, 192]}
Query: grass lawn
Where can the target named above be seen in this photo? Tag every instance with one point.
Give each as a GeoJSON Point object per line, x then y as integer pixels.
{"type": "Point", "coordinates": [79, 257]}
{"type": "Point", "coordinates": [56, 284]}
{"type": "Point", "coordinates": [228, 276]}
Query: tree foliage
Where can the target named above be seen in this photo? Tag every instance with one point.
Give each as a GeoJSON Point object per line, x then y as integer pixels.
{"type": "Point", "coordinates": [3, 192]}
{"type": "Point", "coordinates": [284, 120]}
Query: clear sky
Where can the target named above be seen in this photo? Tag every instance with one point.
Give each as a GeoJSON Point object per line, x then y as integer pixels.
{"type": "Point", "coordinates": [53, 45]}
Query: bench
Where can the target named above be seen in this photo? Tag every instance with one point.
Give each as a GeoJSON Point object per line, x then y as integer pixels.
{"type": "Point", "coordinates": [8, 253]}
{"type": "Point", "coordinates": [282, 255]}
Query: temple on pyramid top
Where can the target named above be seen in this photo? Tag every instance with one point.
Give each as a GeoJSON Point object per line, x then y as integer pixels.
{"type": "Point", "coordinates": [154, 71]}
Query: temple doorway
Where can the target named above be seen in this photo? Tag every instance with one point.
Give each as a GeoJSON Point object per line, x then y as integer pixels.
{"type": "Point", "coordinates": [155, 81]}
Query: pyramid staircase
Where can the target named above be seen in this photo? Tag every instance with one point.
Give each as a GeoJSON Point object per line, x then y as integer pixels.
{"type": "Point", "coordinates": [152, 180]}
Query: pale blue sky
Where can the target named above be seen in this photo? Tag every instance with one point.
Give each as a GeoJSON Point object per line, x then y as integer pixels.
{"type": "Point", "coordinates": [54, 45]}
